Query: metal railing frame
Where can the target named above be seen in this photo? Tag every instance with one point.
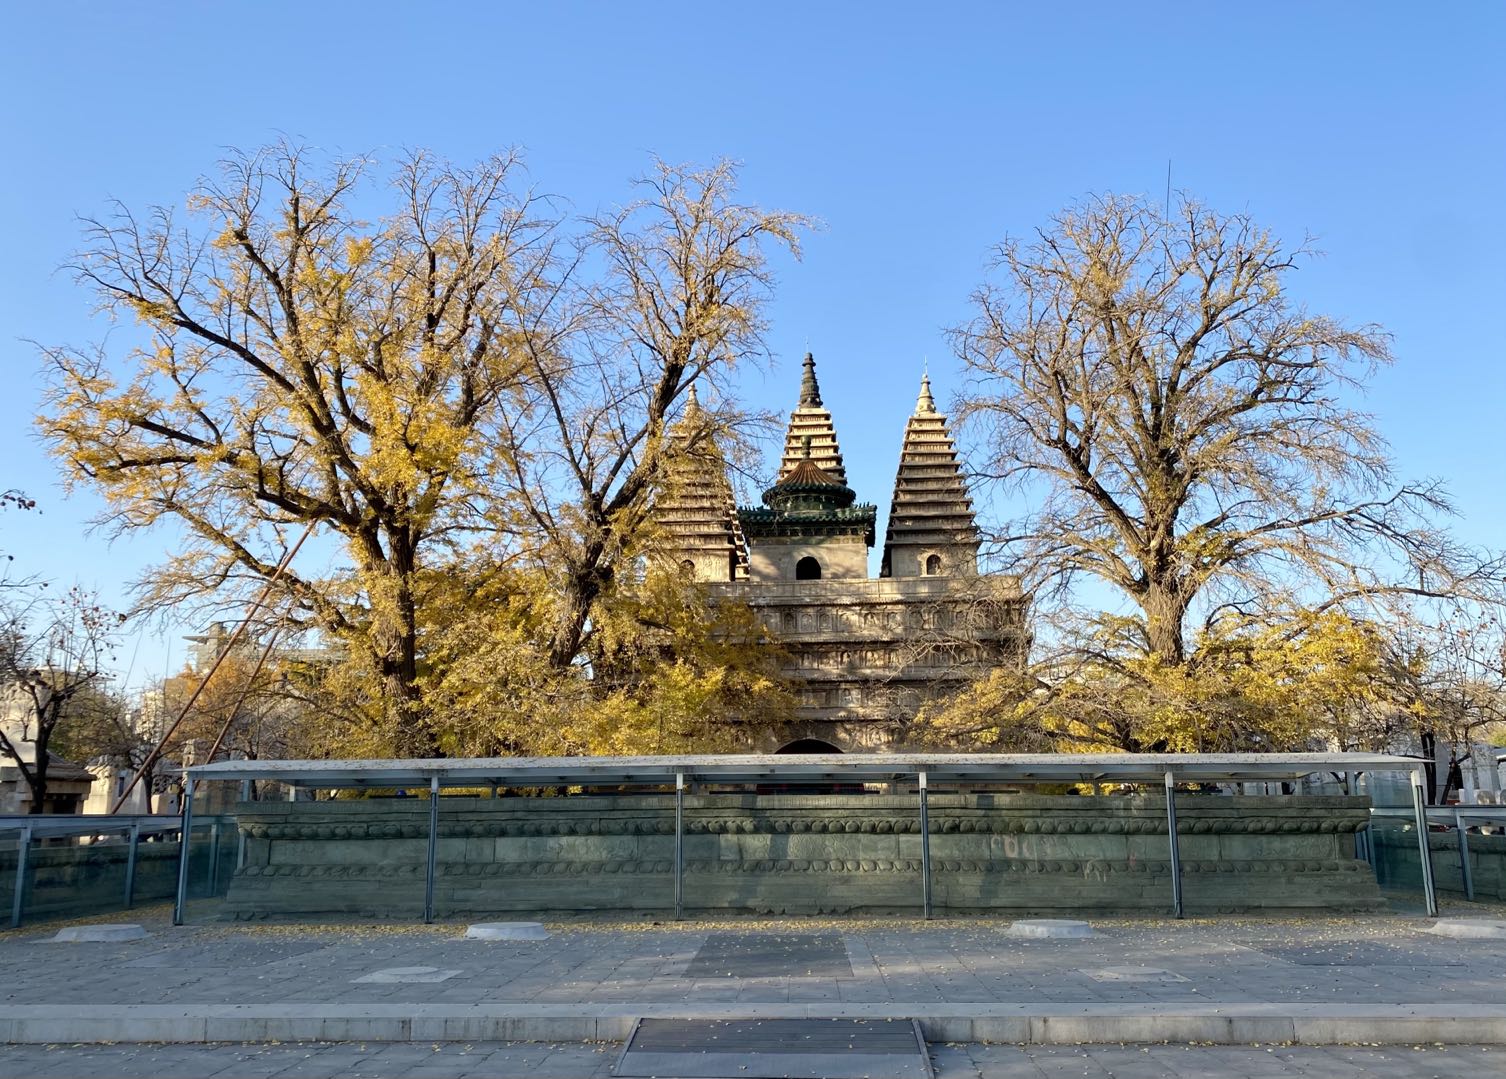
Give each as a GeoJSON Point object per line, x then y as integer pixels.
{"type": "Point", "coordinates": [134, 827]}
{"type": "Point", "coordinates": [681, 782]}
{"type": "Point", "coordinates": [1454, 817]}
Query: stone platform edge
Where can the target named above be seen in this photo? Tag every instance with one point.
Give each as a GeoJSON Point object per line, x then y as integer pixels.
{"type": "Point", "coordinates": [1056, 1024]}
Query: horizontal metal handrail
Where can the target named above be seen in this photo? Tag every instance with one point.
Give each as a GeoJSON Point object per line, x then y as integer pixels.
{"type": "Point", "coordinates": [73, 824]}
{"type": "Point", "coordinates": [1446, 815]}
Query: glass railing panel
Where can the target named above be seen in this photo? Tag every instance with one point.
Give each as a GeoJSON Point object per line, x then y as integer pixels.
{"type": "Point", "coordinates": [76, 875]}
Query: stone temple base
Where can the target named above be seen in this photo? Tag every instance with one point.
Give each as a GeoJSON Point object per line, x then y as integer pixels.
{"type": "Point", "coordinates": [799, 854]}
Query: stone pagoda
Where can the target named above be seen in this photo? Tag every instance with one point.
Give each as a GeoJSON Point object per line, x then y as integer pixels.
{"type": "Point", "coordinates": [694, 505]}
{"type": "Point", "coordinates": [866, 652]}
{"type": "Point", "coordinates": [932, 531]}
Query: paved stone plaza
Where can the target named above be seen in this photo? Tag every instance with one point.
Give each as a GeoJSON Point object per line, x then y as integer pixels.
{"type": "Point", "coordinates": [1380, 960]}
{"type": "Point", "coordinates": [422, 1000]}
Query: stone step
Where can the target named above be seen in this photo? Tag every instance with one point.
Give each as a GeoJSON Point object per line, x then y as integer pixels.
{"type": "Point", "coordinates": [1230, 1023]}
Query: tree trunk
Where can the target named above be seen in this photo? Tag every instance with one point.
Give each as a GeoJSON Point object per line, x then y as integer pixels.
{"type": "Point", "coordinates": [1165, 612]}
{"type": "Point", "coordinates": [398, 662]}
{"type": "Point", "coordinates": [1430, 752]}
{"type": "Point", "coordinates": [413, 738]}
{"type": "Point", "coordinates": [37, 780]}
{"type": "Point", "coordinates": [570, 627]}
{"type": "Point", "coordinates": [584, 587]}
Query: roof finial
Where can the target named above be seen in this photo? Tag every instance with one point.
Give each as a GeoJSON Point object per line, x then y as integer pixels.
{"type": "Point", "coordinates": [810, 393]}
{"type": "Point", "coordinates": [693, 401]}
{"type": "Point", "coordinates": [805, 446]}
{"type": "Point", "coordinates": [925, 403]}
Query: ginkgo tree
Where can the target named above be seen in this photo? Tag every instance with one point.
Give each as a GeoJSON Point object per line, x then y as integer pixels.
{"type": "Point", "coordinates": [1185, 428]}
{"type": "Point", "coordinates": [1184, 431]}
{"type": "Point", "coordinates": [298, 366]}
{"type": "Point", "coordinates": [679, 301]}
{"type": "Point", "coordinates": [1311, 680]}
{"type": "Point", "coordinates": [431, 366]}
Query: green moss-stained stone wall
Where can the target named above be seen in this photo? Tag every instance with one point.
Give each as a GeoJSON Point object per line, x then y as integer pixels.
{"type": "Point", "coordinates": [798, 854]}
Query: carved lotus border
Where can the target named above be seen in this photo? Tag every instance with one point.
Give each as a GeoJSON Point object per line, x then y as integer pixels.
{"type": "Point", "coordinates": [1340, 823]}
{"type": "Point", "coordinates": [1089, 868]}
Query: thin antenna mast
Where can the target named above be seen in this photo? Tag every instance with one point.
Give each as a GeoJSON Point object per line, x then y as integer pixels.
{"type": "Point", "coordinates": [240, 699]}
{"type": "Point", "coordinates": [151, 758]}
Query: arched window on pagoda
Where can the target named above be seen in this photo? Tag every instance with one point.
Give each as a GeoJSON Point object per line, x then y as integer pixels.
{"type": "Point", "coordinates": [808, 569]}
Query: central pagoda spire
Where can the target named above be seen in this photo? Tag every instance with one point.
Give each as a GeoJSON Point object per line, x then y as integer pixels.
{"type": "Point", "coordinates": [810, 389]}
{"type": "Point", "coordinates": [811, 423]}
{"type": "Point", "coordinates": [925, 404]}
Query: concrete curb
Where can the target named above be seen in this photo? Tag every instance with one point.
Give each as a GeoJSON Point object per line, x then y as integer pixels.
{"type": "Point", "coordinates": [1055, 1024]}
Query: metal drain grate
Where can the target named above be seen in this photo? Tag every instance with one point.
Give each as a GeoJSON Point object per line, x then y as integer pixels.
{"type": "Point", "coordinates": [771, 955]}
{"type": "Point", "coordinates": [776, 1048]}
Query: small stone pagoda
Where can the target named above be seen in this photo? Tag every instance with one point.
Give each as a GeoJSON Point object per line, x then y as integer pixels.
{"type": "Point", "coordinates": [866, 651]}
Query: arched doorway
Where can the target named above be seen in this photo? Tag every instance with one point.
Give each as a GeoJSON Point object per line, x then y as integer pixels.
{"type": "Point", "coordinates": [808, 569]}
{"type": "Point", "coordinates": [808, 745]}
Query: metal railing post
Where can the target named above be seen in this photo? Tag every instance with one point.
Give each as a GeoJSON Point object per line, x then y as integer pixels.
{"type": "Point", "coordinates": [1464, 868]}
{"type": "Point", "coordinates": [679, 845]}
{"type": "Point", "coordinates": [433, 853]}
{"type": "Point", "coordinates": [1420, 816]}
{"type": "Point", "coordinates": [23, 855]}
{"type": "Point", "coordinates": [214, 857]}
{"type": "Point", "coordinates": [1176, 854]}
{"type": "Point", "coordinates": [240, 836]}
{"type": "Point", "coordinates": [925, 847]}
{"type": "Point", "coordinates": [184, 843]}
{"type": "Point", "coordinates": [130, 874]}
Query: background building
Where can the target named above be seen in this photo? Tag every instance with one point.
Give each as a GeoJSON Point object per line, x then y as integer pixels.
{"type": "Point", "coordinates": [67, 783]}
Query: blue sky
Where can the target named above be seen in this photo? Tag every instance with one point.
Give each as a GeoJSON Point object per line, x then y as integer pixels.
{"type": "Point", "coordinates": [919, 135]}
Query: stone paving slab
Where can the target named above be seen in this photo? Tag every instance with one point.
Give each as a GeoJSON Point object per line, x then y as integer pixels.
{"type": "Point", "coordinates": [1377, 960]}
{"type": "Point", "coordinates": [505, 1060]}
